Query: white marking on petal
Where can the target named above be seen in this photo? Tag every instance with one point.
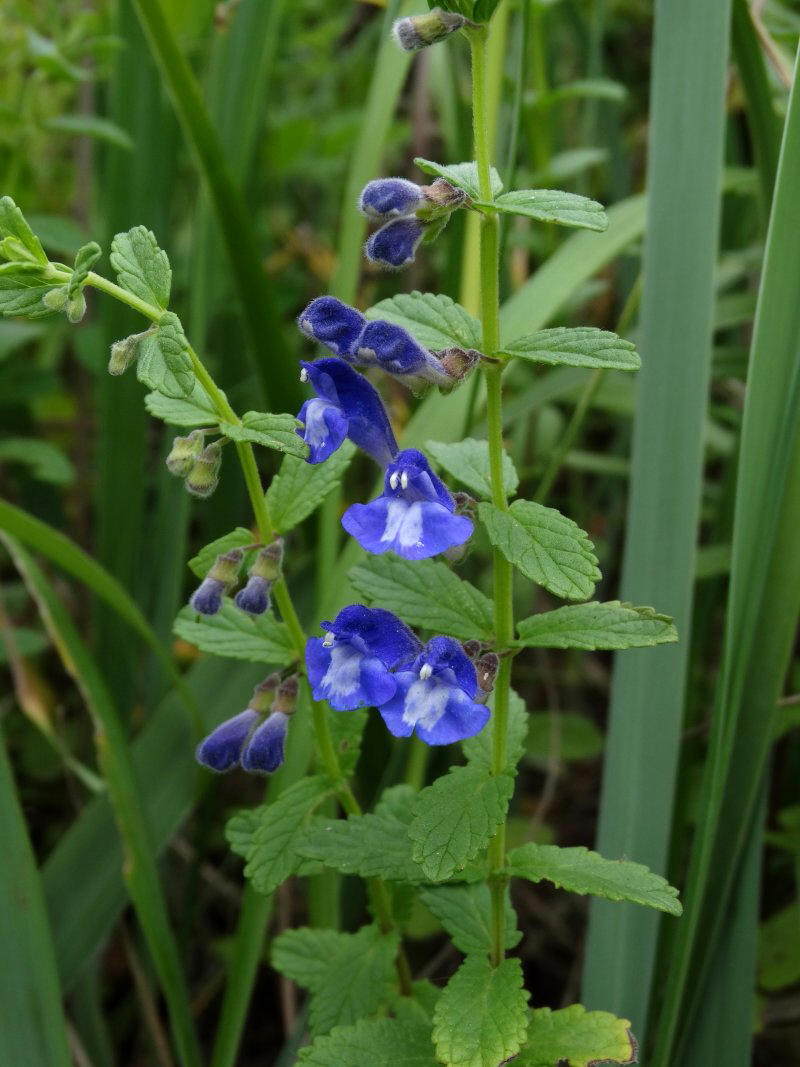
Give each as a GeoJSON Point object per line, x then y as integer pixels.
{"type": "Point", "coordinates": [425, 671]}
{"type": "Point", "coordinates": [316, 430]}
{"type": "Point", "coordinates": [328, 639]}
{"type": "Point", "coordinates": [303, 374]}
{"type": "Point", "coordinates": [425, 703]}
{"type": "Point", "coordinates": [403, 523]}
{"type": "Point", "coordinates": [394, 477]}
{"type": "Point", "coordinates": [404, 480]}
{"type": "Point", "coordinates": [344, 672]}
{"type": "Point", "coordinates": [367, 353]}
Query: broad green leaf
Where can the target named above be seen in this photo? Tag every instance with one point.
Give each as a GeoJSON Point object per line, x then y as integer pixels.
{"type": "Point", "coordinates": [266, 836]}
{"type": "Point", "coordinates": [85, 258]}
{"type": "Point", "coordinates": [233, 633]}
{"type": "Point", "coordinates": [202, 563]}
{"type": "Point", "coordinates": [142, 267]}
{"type": "Point", "coordinates": [468, 462]}
{"type": "Point", "coordinates": [465, 911]}
{"type": "Point", "coordinates": [271, 431]}
{"type": "Point", "coordinates": [581, 871]}
{"type": "Point", "coordinates": [575, 346]}
{"type": "Point", "coordinates": [576, 1037]}
{"type": "Point", "coordinates": [478, 749]}
{"type": "Point", "coordinates": [545, 546]}
{"type": "Point", "coordinates": [349, 976]}
{"type": "Point", "coordinates": [425, 593]}
{"type": "Point", "coordinates": [17, 235]}
{"type": "Point", "coordinates": [455, 818]}
{"type": "Point", "coordinates": [464, 175]}
{"type": "Point", "coordinates": [375, 845]}
{"type": "Point", "coordinates": [101, 129]}
{"type": "Point", "coordinates": [481, 1018]}
{"type": "Point", "coordinates": [47, 463]}
{"type": "Point", "coordinates": [434, 320]}
{"type": "Point", "coordinates": [376, 1042]}
{"type": "Point", "coordinates": [576, 737]}
{"type": "Point", "coordinates": [590, 626]}
{"type": "Point", "coordinates": [164, 363]}
{"type": "Point", "coordinates": [193, 410]}
{"type": "Point", "coordinates": [22, 286]}
{"type": "Point", "coordinates": [299, 487]}
{"type": "Point", "coordinates": [779, 949]}
{"type": "Point", "coordinates": [346, 733]}
{"type": "Point", "coordinates": [551, 205]}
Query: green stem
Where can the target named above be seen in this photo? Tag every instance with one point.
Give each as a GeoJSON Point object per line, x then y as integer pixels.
{"type": "Point", "coordinates": [504, 615]}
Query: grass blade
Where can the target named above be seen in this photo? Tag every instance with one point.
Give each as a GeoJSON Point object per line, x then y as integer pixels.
{"type": "Point", "coordinates": [648, 686]}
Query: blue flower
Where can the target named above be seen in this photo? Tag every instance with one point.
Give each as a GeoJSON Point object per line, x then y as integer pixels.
{"type": "Point", "coordinates": [436, 696]}
{"type": "Point", "coordinates": [221, 749]}
{"type": "Point", "coordinates": [346, 405]}
{"type": "Point", "coordinates": [351, 666]}
{"type": "Point", "coordinates": [414, 517]}
{"type": "Point", "coordinates": [264, 751]}
{"type": "Point", "coordinates": [333, 324]}
{"type": "Point", "coordinates": [254, 598]}
{"type": "Point", "coordinates": [207, 598]}
{"type": "Point", "coordinates": [389, 197]}
{"type": "Point", "coordinates": [396, 352]}
{"type": "Point", "coordinates": [395, 244]}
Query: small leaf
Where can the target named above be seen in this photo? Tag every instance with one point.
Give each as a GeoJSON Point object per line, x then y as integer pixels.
{"type": "Point", "coordinates": [611, 625]}
{"type": "Point", "coordinates": [202, 563]}
{"type": "Point", "coordinates": [142, 267]}
{"type": "Point", "coordinates": [164, 363]}
{"type": "Point", "coordinates": [376, 1042]}
{"type": "Point", "coordinates": [464, 175]}
{"type": "Point", "coordinates": [346, 734]}
{"type": "Point", "coordinates": [581, 346]}
{"type": "Point", "coordinates": [425, 593]}
{"type": "Point", "coordinates": [577, 737]}
{"type": "Point", "coordinates": [551, 205]}
{"type": "Point", "coordinates": [349, 975]}
{"type": "Point", "coordinates": [465, 911]}
{"type": "Point", "coordinates": [581, 871]}
{"type": "Point", "coordinates": [456, 817]}
{"type": "Point", "coordinates": [271, 431]}
{"type": "Point", "coordinates": [478, 749]}
{"type": "Point", "coordinates": [47, 463]}
{"type": "Point", "coordinates": [299, 487]}
{"type": "Point", "coordinates": [193, 410]}
{"type": "Point", "coordinates": [22, 288]}
{"type": "Point", "coordinates": [266, 837]}
{"type": "Point", "coordinates": [375, 845]}
{"type": "Point", "coordinates": [233, 633]}
{"type": "Point", "coordinates": [85, 258]}
{"type": "Point", "coordinates": [545, 546]}
{"type": "Point", "coordinates": [481, 1017]}
{"type": "Point", "coordinates": [468, 462]}
{"type": "Point", "coordinates": [434, 320]}
{"type": "Point", "coordinates": [14, 226]}
{"type": "Point", "coordinates": [95, 126]}
{"type": "Point", "coordinates": [576, 1037]}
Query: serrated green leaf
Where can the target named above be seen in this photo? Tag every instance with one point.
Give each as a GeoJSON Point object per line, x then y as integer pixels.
{"type": "Point", "coordinates": [455, 818]}
{"type": "Point", "coordinates": [142, 267]}
{"type": "Point", "coordinates": [551, 205]}
{"type": "Point", "coordinates": [578, 737]}
{"type": "Point", "coordinates": [465, 911]}
{"type": "Point", "coordinates": [349, 976]}
{"type": "Point", "coordinates": [464, 175]}
{"type": "Point", "coordinates": [202, 563]}
{"type": "Point", "coordinates": [85, 258]}
{"type": "Point", "coordinates": [478, 749]}
{"type": "Point", "coordinates": [26, 244]}
{"type": "Point", "coordinates": [377, 1042]}
{"type": "Point", "coordinates": [425, 593]}
{"type": "Point", "coordinates": [271, 431]}
{"type": "Point", "coordinates": [346, 733]}
{"type": "Point", "coordinates": [610, 625]}
{"type": "Point", "coordinates": [545, 546]}
{"type": "Point", "coordinates": [164, 363]}
{"type": "Point", "coordinates": [481, 1017]}
{"type": "Point", "coordinates": [237, 635]}
{"type": "Point", "coordinates": [22, 287]}
{"type": "Point", "coordinates": [299, 487]}
{"type": "Point", "coordinates": [581, 871]}
{"type": "Point", "coordinates": [434, 320]}
{"type": "Point", "coordinates": [576, 1037]}
{"type": "Point", "coordinates": [375, 845]}
{"type": "Point", "coordinates": [579, 346]}
{"type": "Point", "coordinates": [266, 836]}
{"type": "Point", "coordinates": [193, 410]}
{"type": "Point", "coordinates": [468, 462]}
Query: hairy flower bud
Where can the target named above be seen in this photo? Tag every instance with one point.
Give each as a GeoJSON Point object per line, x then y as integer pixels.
{"type": "Point", "coordinates": [441, 196]}
{"type": "Point", "coordinates": [207, 598]}
{"type": "Point", "coordinates": [264, 752]}
{"type": "Point", "coordinates": [395, 244]}
{"type": "Point", "coordinates": [203, 476]}
{"type": "Point", "coordinates": [124, 353]}
{"type": "Point", "coordinates": [183, 453]}
{"type": "Point", "coordinates": [227, 565]}
{"type": "Point", "coordinates": [76, 306]}
{"type": "Point", "coordinates": [386, 198]}
{"type": "Point", "coordinates": [420, 31]}
{"type": "Point", "coordinates": [264, 693]}
{"type": "Point", "coordinates": [56, 299]}
{"type": "Point", "coordinates": [458, 362]}
{"type": "Point", "coordinates": [285, 700]}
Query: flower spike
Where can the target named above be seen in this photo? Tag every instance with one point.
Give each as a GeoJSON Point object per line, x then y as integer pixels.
{"type": "Point", "coordinates": [207, 598]}
{"type": "Point", "coordinates": [395, 351]}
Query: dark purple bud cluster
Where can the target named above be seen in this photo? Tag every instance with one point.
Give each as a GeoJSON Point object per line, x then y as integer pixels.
{"type": "Point", "coordinates": [254, 739]}
{"type": "Point", "coordinates": [410, 213]}
{"type": "Point", "coordinates": [254, 598]}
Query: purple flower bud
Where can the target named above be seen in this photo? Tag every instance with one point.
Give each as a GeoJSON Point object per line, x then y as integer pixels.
{"type": "Point", "coordinates": [207, 598]}
{"type": "Point", "coordinates": [333, 324]}
{"type": "Point", "coordinates": [387, 198]}
{"type": "Point", "coordinates": [254, 598]}
{"type": "Point", "coordinates": [264, 752]}
{"type": "Point", "coordinates": [396, 352]}
{"type": "Point", "coordinates": [221, 749]}
{"type": "Point", "coordinates": [395, 244]}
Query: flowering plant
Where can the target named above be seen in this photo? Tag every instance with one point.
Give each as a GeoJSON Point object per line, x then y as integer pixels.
{"type": "Point", "coordinates": [426, 651]}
